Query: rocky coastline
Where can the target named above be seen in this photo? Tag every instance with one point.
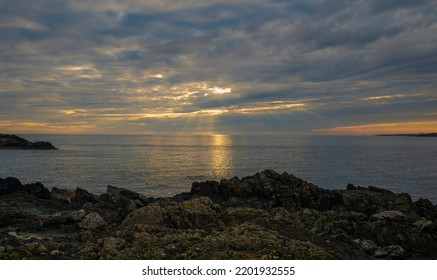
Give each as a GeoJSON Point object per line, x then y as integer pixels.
{"type": "Point", "coordinates": [10, 141]}
{"type": "Point", "coordinates": [264, 216]}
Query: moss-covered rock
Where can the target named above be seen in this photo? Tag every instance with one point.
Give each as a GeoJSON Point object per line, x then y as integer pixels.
{"type": "Point", "coordinates": [264, 216]}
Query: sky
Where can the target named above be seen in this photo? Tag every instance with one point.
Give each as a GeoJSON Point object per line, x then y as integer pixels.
{"type": "Point", "coordinates": [218, 66]}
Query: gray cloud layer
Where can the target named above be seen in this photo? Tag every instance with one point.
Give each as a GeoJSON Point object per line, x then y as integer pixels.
{"type": "Point", "coordinates": [228, 66]}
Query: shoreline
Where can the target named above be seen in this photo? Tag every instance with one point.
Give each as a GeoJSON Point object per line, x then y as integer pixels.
{"type": "Point", "coordinates": [264, 216]}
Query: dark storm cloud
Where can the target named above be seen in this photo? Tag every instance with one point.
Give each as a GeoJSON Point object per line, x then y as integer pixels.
{"type": "Point", "coordinates": [102, 59]}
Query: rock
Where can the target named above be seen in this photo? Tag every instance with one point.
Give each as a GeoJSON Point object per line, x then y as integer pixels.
{"type": "Point", "coordinates": [4, 188]}
{"type": "Point", "coordinates": [82, 196]}
{"type": "Point", "coordinates": [120, 195]}
{"type": "Point", "coordinates": [267, 189]}
{"type": "Point", "coordinates": [128, 201]}
{"type": "Point", "coordinates": [78, 215]}
{"type": "Point", "coordinates": [199, 212]}
{"type": "Point", "coordinates": [373, 200]}
{"type": "Point", "coordinates": [391, 215]}
{"type": "Point", "coordinates": [368, 246]}
{"type": "Point", "coordinates": [149, 215]}
{"type": "Point", "coordinates": [87, 236]}
{"type": "Point", "coordinates": [2, 251]}
{"type": "Point", "coordinates": [79, 196]}
{"type": "Point", "coordinates": [9, 185]}
{"type": "Point", "coordinates": [56, 220]}
{"type": "Point", "coordinates": [425, 208]}
{"type": "Point", "coordinates": [133, 205]}
{"type": "Point", "coordinates": [92, 221]}
{"type": "Point", "coordinates": [390, 252]}
{"type": "Point", "coordinates": [60, 219]}
{"type": "Point", "coordinates": [264, 216]}
{"type": "Point", "coordinates": [65, 195]}
{"type": "Point", "coordinates": [42, 250]}
{"type": "Point", "coordinates": [425, 225]}
{"type": "Point", "coordinates": [55, 253]}
{"type": "Point", "coordinates": [111, 247]}
{"type": "Point", "coordinates": [9, 141]}
{"type": "Point", "coordinates": [37, 189]}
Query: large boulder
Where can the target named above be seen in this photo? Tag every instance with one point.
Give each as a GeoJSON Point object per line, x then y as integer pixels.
{"type": "Point", "coordinates": [199, 212]}
{"type": "Point", "coordinates": [38, 190]}
{"type": "Point", "coordinates": [9, 185]}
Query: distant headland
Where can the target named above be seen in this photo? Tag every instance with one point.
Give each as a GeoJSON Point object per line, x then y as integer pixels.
{"type": "Point", "coordinates": [10, 141]}
{"type": "Point", "coordinates": [432, 134]}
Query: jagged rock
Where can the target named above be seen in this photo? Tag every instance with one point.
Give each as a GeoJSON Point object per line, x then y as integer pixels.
{"type": "Point", "coordinates": [270, 189]}
{"type": "Point", "coordinates": [11, 185]}
{"type": "Point", "coordinates": [82, 196]}
{"type": "Point", "coordinates": [37, 189]}
{"type": "Point", "coordinates": [92, 221]}
{"type": "Point", "coordinates": [128, 201]}
{"type": "Point", "coordinates": [264, 216]}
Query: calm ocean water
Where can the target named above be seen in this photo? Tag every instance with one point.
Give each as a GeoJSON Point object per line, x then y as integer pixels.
{"type": "Point", "coordinates": [166, 165]}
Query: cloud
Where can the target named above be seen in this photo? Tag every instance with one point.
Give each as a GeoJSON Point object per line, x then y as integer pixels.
{"type": "Point", "coordinates": [153, 64]}
{"type": "Point", "coordinates": [390, 5]}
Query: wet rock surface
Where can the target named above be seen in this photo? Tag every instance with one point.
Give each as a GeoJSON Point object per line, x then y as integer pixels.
{"type": "Point", "coordinates": [264, 216]}
{"type": "Point", "coordinates": [10, 141]}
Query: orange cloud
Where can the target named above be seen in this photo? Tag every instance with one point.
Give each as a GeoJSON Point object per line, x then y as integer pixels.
{"type": "Point", "coordinates": [383, 128]}
{"type": "Point", "coordinates": [41, 127]}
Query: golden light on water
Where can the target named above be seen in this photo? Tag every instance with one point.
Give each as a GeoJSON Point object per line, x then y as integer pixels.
{"type": "Point", "coordinates": [220, 156]}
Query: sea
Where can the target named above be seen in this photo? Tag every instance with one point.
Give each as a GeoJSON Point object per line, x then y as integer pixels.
{"type": "Point", "coordinates": [165, 165]}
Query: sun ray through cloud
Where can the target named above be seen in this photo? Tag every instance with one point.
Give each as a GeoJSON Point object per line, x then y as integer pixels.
{"type": "Point", "coordinates": [307, 66]}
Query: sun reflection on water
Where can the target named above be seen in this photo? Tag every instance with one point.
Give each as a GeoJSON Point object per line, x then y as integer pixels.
{"type": "Point", "coordinates": [220, 156]}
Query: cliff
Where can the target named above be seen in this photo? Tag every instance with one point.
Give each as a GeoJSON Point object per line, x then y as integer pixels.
{"type": "Point", "coordinates": [264, 216]}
